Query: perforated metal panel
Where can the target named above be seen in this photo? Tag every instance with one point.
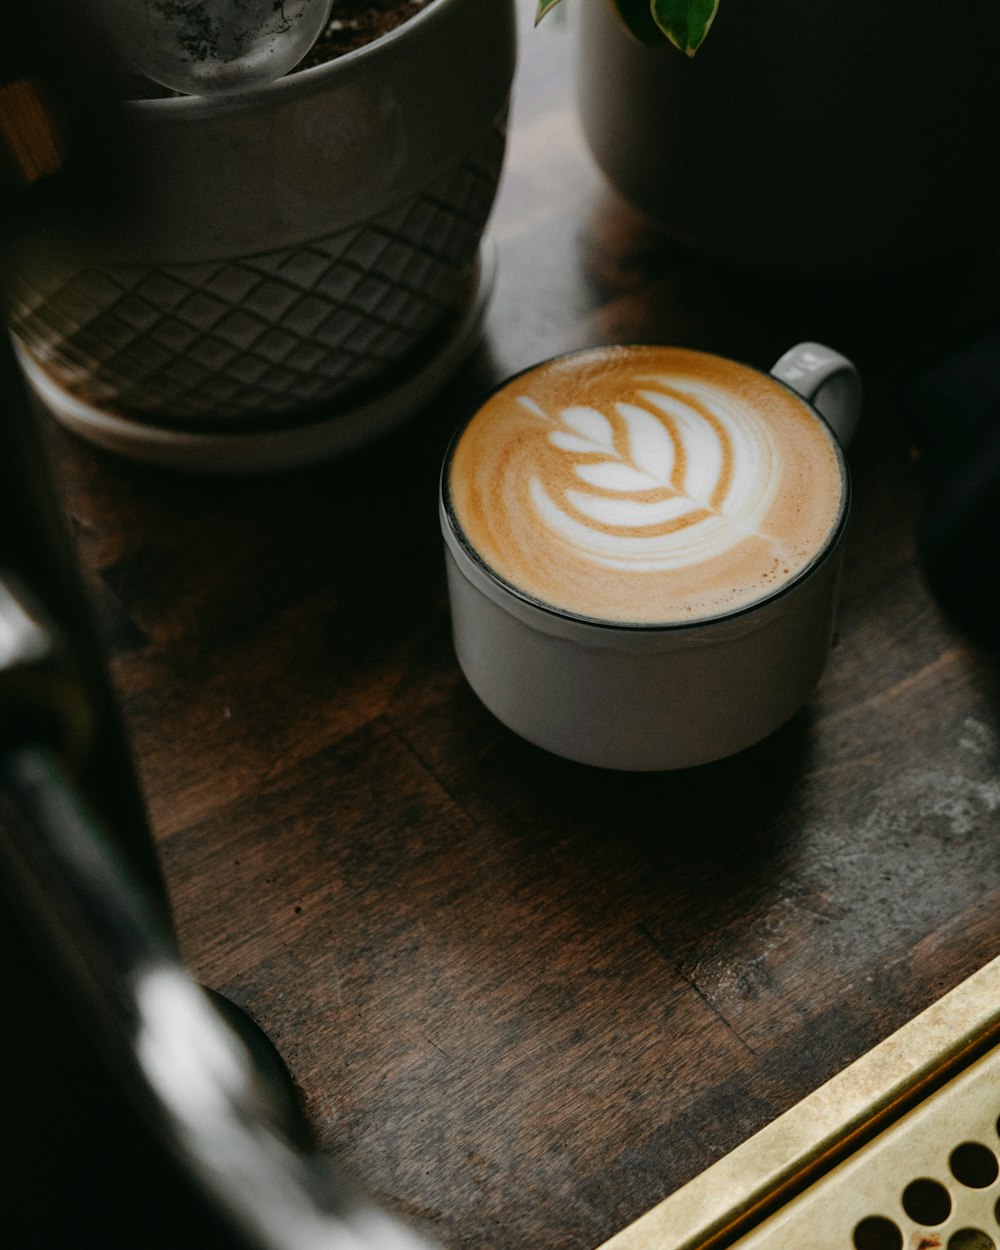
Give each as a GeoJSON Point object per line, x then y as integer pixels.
{"type": "Point", "coordinates": [900, 1151]}
{"type": "Point", "coordinates": [932, 1179]}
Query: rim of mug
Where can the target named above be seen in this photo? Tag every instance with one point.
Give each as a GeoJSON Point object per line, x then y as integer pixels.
{"type": "Point", "coordinates": [833, 538]}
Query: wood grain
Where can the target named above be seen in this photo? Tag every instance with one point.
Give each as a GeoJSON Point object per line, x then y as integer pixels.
{"type": "Point", "coordinates": [524, 1000]}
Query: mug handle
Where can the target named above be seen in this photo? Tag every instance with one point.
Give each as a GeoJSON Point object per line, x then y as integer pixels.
{"type": "Point", "coordinates": [828, 381]}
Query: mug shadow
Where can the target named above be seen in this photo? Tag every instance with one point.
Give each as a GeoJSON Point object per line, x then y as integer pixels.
{"type": "Point", "coordinates": [713, 839]}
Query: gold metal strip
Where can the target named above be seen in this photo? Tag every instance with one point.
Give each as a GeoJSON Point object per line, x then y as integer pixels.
{"type": "Point", "coordinates": [931, 1179]}
{"type": "Point", "coordinates": [735, 1194]}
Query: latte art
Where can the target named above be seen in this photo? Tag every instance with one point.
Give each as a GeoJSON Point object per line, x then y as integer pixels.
{"type": "Point", "coordinates": [646, 484]}
{"type": "Point", "coordinates": [672, 480]}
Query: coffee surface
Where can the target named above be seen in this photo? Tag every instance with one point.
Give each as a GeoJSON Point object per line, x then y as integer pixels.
{"type": "Point", "coordinates": [646, 484]}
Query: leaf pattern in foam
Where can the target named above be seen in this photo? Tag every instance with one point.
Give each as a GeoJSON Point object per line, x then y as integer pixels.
{"type": "Point", "coordinates": [650, 445]}
{"type": "Point", "coordinates": [649, 458]}
{"type": "Point", "coordinates": [632, 457]}
{"type": "Point", "coordinates": [651, 453]}
{"type": "Point", "coordinates": [612, 475]}
{"type": "Point", "coordinates": [591, 427]}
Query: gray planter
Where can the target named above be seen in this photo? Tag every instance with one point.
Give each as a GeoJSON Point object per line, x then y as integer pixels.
{"type": "Point", "coordinates": [298, 249]}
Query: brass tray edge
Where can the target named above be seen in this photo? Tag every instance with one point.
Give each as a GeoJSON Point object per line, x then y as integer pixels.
{"type": "Point", "coordinates": [778, 1161]}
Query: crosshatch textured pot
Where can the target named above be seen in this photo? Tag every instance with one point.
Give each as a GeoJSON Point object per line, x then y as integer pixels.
{"type": "Point", "coordinates": [831, 139]}
{"type": "Point", "coordinates": [293, 245]}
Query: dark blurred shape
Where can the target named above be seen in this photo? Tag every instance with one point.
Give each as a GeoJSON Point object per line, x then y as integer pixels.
{"type": "Point", "coordinates": [61, 132]}
{"type": "Point", "coordinates": [91, 1160]}
{"type": "Point", "coordinates": [135, 1113]}
{"type": "Point", "coordinates": [136, 1109]}
{"type": "Point", "coordinates": [955, 412]}
{"type": "Point", "coordinates": [88, 1162]}
{"type": "Point", "coordinates": [58, 136]}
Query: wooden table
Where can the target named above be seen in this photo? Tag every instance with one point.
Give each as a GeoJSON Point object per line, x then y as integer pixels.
{"type": "Point", "coordinates": [525, 1000]}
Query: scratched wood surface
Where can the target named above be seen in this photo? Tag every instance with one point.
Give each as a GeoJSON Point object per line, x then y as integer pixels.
{"type": "Point", "coordinates": [525, 1000]}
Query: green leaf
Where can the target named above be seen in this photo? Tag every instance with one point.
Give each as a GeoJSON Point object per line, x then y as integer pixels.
{"type": "Point", "coordinates": [543, 8]}
{"type": "Point", "coordinates": [684, 22]}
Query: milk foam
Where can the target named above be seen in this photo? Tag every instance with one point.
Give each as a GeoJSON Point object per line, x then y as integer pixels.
{"type": "Point", "coordinates": [646, 484]}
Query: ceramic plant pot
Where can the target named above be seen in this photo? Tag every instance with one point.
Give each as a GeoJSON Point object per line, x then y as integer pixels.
{"type": "Point", "coordinates": [303, 267]}
{"type": "Point", "coordinates": [834, 139]}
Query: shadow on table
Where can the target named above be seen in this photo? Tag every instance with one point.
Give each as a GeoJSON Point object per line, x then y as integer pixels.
{"type": "Point", "coordinates": [721, 832]}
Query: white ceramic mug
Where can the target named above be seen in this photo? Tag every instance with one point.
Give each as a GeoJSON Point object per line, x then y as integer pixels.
{"type": "Point", "coordinates": [650, 697]}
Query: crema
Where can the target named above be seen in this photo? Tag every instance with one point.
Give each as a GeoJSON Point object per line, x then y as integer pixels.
{"type": "Point", "coordinates": [645, 485]}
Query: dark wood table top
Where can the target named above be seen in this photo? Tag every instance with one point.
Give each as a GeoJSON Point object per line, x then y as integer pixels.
{"type": "Point", "coordinates": [525, 1000]}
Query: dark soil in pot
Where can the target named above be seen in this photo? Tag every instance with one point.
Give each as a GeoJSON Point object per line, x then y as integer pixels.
{"type": "Point", "coordinates": [353, 23]}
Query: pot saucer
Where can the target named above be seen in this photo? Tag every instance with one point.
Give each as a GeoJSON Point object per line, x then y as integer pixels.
{"type": "Point", "coordinates": [286, 447]}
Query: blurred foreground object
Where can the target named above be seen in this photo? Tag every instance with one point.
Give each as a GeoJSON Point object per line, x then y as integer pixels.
{"type": "Point", "coordinates": [955, 411]}
{"type": "Point", "coordinates": [61, 136]}
{"type": "Point", "coordinates": [137, 1108]}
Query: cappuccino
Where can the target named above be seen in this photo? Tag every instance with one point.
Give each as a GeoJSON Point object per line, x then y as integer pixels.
{"type": "Point", "coordinates": [645, 486]}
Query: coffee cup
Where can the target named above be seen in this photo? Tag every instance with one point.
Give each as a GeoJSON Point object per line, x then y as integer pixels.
{"type": "Point", "coordinates": [643, 546]}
